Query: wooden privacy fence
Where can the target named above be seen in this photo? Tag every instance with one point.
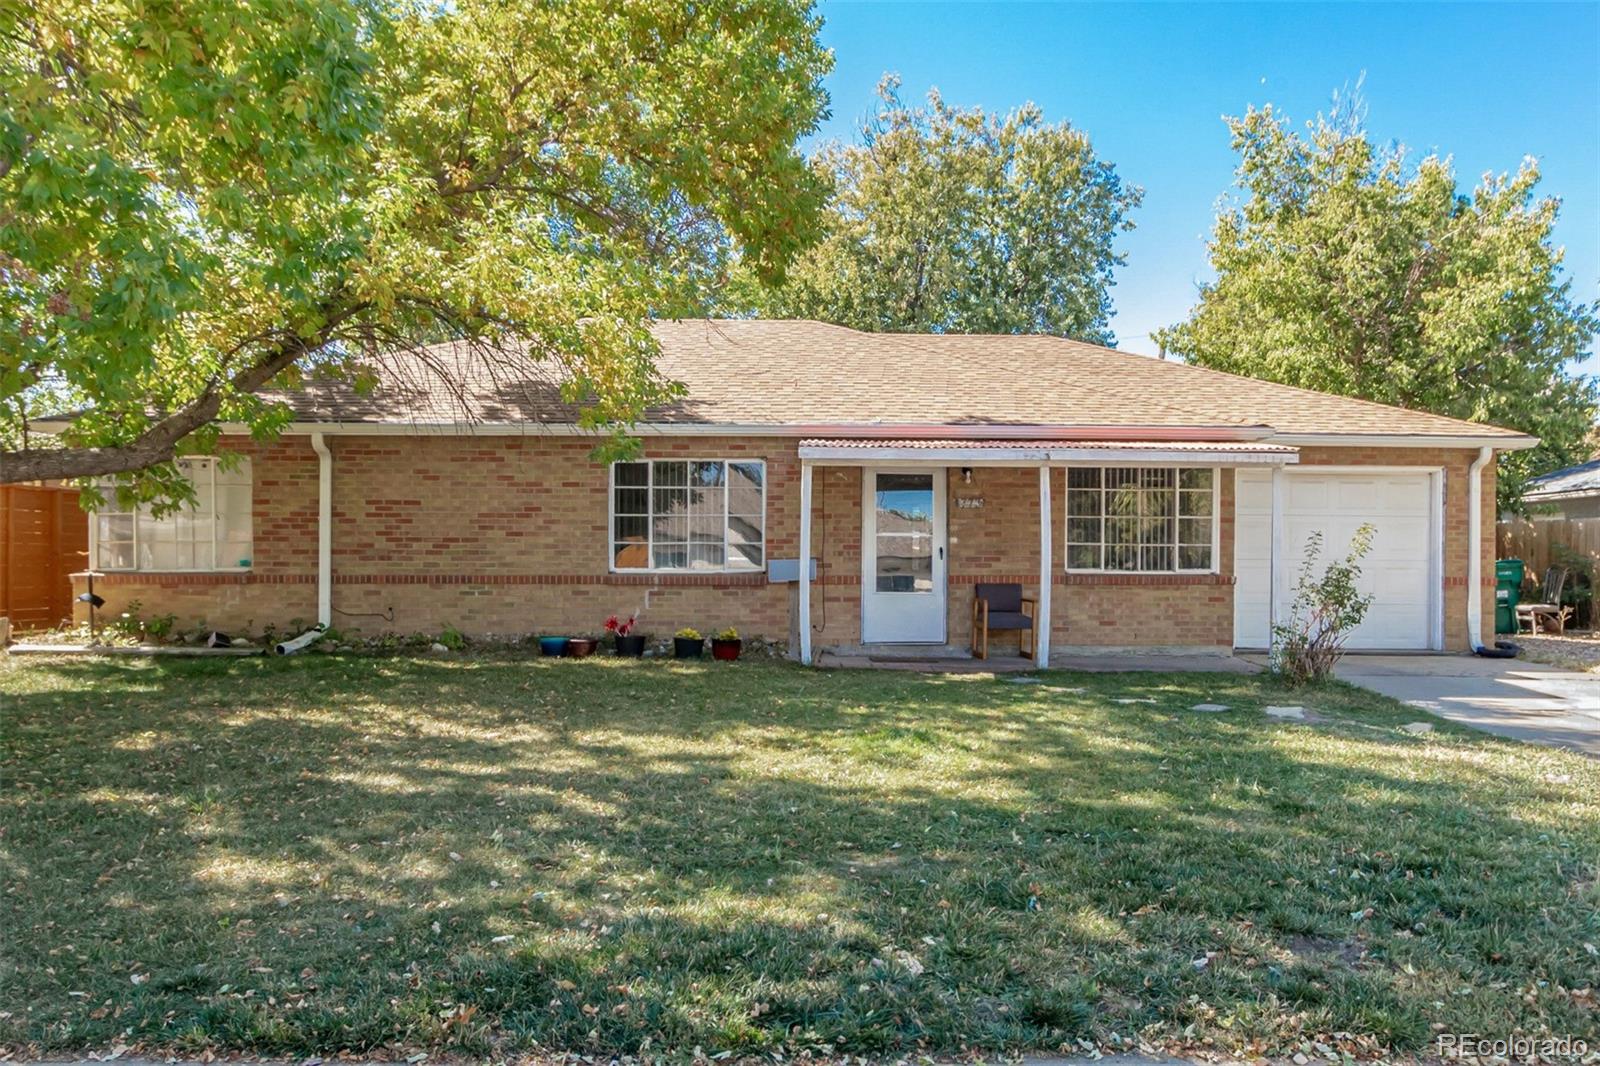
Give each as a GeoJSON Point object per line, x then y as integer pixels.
{"type": "Point", "coordinates": [44, 537]}
{"type": "Point", "coordinates": [1534, 540]}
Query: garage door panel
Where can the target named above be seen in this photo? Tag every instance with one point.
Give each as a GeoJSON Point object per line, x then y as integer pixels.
{"type": "Point", "coordinates": [1397, 570]}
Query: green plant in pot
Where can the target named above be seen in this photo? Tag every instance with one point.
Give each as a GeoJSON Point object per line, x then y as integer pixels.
{"type": "Point", "coordinates": [687, 643]}
{"type": "Point", "coordinates": [726, 645]}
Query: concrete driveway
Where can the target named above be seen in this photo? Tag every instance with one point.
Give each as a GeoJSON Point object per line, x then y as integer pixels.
{"type": "Point", "coordinates": [1527, 701]}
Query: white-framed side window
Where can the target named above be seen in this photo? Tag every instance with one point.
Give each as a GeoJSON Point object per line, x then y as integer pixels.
{"type": "Point", "coordinates": [212, 533]}
{"type": "Point", "coordinates": [1123, 519]}
{"type": "Point", "coordinates": [688, 515]}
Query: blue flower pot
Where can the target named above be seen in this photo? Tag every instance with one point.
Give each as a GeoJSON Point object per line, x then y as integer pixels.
{"type": "Point", "coordinates": [553, 646]}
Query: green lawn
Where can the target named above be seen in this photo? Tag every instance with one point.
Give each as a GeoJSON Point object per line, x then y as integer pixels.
{"type": "Point", "coordinates": [489, 856]}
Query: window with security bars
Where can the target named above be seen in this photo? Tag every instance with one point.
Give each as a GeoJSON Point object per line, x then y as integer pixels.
{"type": "Point", "coordinates": [688, 515]}
{"type": "Point", "coordinates": [1141, 519]}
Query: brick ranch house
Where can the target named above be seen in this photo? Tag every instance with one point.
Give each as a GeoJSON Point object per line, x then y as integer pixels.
{"type": "Point", "coordinates": [1145, 504]}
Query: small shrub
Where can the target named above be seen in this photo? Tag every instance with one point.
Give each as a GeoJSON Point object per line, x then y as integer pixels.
{"type": "Point", "coordinates": [131, 624]}
{"type": "Point", "coordinates": [1578, 593]}
{"type": "Point", "coordinates": [728, 634]}
{"type": "Point", "coordinates": [1326, 608]}
{"type": "Point", "coordinates": [688, 633]}
{"type": "Point", "coordinates": [452, 638]}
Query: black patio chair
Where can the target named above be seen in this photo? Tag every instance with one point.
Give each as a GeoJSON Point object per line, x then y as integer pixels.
{"type": "Point", "coordinates": [1002, 607]}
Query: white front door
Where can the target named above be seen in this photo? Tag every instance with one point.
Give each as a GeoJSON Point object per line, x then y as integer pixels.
{"type": "Point", "coordinates": [1400, 571]}
{"type": "Point", "coordinates": [903, 557]}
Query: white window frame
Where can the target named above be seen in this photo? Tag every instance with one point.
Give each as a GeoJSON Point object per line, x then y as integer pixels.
{"type": "Point", "coordinates": [94, 532]}
{"type": "Point", "coordinates": [650, 526]}
{"type": "Point", "coordinates": [1216, 518]}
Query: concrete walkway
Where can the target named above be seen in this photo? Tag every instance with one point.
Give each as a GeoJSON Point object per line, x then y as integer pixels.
{"type": "Point", "coordinates": [1508, 697]}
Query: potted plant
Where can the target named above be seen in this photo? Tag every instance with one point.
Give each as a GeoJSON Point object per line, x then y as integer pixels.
{"type": "Point", "coordinates": [627, 641]}
{"type": "Point", "coordinates": [687, 643]}
{"type": "Point", "coordinates": [581, 647]}
{"type": "Point", "coordinates": [552, 646]}
{"type": "Point", "coordinates": [726, 645]}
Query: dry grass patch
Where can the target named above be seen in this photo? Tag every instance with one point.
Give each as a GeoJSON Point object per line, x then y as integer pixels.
{"type": "Point", "coordinates": [298, 857]}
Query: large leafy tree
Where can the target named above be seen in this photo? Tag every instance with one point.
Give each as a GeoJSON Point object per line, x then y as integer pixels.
{"type": "Point", "coordinates": [198, 200]}
{"type": "Point", "coordinates": [953, 220]}
{"type": "Point", "coordinates": [1343, 267]}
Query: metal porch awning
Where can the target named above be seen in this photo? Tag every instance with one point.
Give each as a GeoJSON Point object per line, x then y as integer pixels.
{"type": "Point", "coordinates": [861, 451]}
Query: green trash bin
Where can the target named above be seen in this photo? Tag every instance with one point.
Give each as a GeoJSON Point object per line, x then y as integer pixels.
{"type": "Point", "coordinates": [1507, 594]}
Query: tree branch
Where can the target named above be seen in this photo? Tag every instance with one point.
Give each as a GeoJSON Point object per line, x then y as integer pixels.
{"type": "Point", "coordinates": [158, 442]}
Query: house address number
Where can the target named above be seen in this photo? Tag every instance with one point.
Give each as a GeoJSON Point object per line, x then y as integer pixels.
{"type": "Point", "coordinates": [969, 503]}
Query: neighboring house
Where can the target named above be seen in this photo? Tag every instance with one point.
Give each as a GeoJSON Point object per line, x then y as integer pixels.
{"type": "Point", "coordinates": [1570, 493]}
{"type": "Point", "coordinates": [1176, 500]}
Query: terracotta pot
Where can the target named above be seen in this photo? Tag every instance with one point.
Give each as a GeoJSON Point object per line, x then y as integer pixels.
{"type": "Point", "coordinates": [726, 650]}
{"type": "Point", "coordinates": [581, 647]}
{"type": "Point", "coordinates": [632, 646]}
{"type": "Point", "coordinates": [688, 647]}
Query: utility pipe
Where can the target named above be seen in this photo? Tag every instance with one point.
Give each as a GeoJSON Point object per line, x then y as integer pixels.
{"type": "Point", "coordinates": [304, 640]}
{"type": "Point", "coordinates": [324, 530]}
{"type": "Point", "coordinates": [1475, 548]}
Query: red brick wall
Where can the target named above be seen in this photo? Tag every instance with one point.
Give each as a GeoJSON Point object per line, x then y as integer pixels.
{"type": "Point", "coordinates": [507, 535]}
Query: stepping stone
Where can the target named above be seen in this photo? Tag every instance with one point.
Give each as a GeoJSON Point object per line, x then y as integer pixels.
{"type": "Point", "coordinates": [1023, 679]}
{"type": "Point", "coordinates": [1135, 699]}
{"type": "Point", "coordinates": [1296, 712]}
{"type": "Point", "coordinates": [1211, 708]}
{"type": "Point", "coordinates": [1418, 728]}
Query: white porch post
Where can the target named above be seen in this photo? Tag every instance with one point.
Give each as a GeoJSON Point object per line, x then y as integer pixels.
{"type": "Point", "coordinates": [1277, 579]}
{"type": "Point", "coordinates": [805, 563]}
{"type": "Point", "coordinates": [1041, 625]}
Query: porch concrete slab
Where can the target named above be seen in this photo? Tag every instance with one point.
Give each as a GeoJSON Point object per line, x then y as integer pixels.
{"type": "Point", "coordinates": [1508, 697]}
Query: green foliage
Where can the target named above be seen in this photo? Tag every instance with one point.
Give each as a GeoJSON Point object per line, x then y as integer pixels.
{"type": "Point", "coordinates": [132, 625]}
{"type": "Point", "coordinates": [1347, 269]}
{"type": "Point", "coordinates": [1326, 607]}
{"type": "Point", "coordinates": [956, 221]}
{"type": "Point", "coordinates": [1578, 592]}
{"type": "Point", "coordinates": [688, 633]}
{"type": "Point", "coordinates": [452, 638]}
{"type": "Point", "coordinates": [195, 204]}
{"type": "Point", "coordinates": [728, 634]}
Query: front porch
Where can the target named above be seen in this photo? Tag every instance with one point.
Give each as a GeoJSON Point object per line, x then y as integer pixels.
{"type": "Point", "coordinates": [902, 528]}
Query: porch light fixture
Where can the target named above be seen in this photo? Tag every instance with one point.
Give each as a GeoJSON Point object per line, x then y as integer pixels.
{"type": "Point", "coordinates": [966, 475]}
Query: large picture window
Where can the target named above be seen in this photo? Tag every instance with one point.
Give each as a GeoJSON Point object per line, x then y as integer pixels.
{"type": "Point", "coordinates": [1146, 519]}
{"type": "Point", "coordinates": [691, 515]}
{"type": "Point", "coordinates": [212, 533]}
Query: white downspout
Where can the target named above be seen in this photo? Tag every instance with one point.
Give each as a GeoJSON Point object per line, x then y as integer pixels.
{"type": "Point", "coordinates": [805, 563]}
{"type": "Point", "coordinates": [1475, 548]}
{"type": "Point", "coordinates": [324, 529]}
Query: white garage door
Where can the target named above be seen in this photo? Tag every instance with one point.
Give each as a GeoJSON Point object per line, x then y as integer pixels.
{"type": "Point", "coordinates": [1398, 572]}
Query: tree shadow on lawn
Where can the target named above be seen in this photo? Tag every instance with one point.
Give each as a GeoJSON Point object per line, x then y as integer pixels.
{"type": "Point", "coordinates": [332, 856]}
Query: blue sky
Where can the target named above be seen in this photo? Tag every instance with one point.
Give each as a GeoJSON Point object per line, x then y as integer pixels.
{"type": "Point", "coordinates": [1487, 83]}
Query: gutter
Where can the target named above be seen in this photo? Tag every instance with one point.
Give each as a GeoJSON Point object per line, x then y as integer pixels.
{"type": "Point", "coordinates": [324, 530]}
{"type": "Point", "coordinates": [1475, 551]}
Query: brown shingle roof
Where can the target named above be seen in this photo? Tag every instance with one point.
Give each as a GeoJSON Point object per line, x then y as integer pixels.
{"type": "Point", "coordinates": [802, 373]}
